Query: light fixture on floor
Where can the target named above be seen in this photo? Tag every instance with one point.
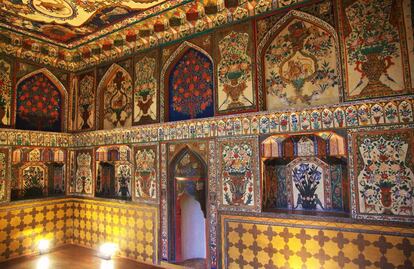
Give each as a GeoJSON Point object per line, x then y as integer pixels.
{"type": "Point", "coordinates": [107, 250]}
{"type": "Point", "coordinates": [43, 245]}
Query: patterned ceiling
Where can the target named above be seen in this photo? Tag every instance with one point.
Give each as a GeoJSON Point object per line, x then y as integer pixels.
{"type": "Point", "coordinates": [76, 34]}
{"type": "Point", "coordinates": [65, 21]}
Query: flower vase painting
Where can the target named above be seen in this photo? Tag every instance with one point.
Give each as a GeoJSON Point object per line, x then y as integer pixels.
{"type": "Point", "coordinates": [300, 64]}
{"type": "Point", "coordinates": [309, 184]}
{"type": "Point", "coordinates": [375, 46]}
{"type": "Point", "coordinates": [235, 88]}
{"type": "Point", "coordinates": [385, 179]}
{"type": "Point", "coordinates": [86, 102]}
{"type": "Point", "coordinates": [83, 183]}
{"type": "Point", "coordinates": [145, 91]}
{"type": "Point", "coordinates": [237, 175]}
{"type": "Point", "coordinates": [146, 173]}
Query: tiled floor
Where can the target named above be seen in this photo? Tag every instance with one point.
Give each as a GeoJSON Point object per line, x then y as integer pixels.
{"type": "Point", "coordinates": [72, 257]}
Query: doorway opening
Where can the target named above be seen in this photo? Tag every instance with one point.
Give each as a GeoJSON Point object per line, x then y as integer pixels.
{"type": "Point", "coordinates": [187, 208]}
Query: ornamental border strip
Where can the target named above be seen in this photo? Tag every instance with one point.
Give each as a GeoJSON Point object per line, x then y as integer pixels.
{"type": "Point", "coordinates": [255, 123]}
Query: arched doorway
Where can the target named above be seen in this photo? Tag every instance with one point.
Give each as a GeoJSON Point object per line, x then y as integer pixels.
{"type": "Point", "coordinates": [187, 207]}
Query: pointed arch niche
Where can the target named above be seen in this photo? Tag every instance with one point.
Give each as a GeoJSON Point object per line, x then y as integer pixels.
{"type": "Point", "coordinates": [41, 102]}
{"type": "Point", "coordinates": [188, 84]}
{"type": "Point", "coordinates": [114, 99]}
{"type": "Point", "coordinates": [187, 196]}
{"type": "Point", "coordinates": [299, 63]}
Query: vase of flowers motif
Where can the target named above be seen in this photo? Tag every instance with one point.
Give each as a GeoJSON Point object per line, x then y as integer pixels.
{"type": "Point", "coordinates": [145, 101]}
{"type": "Point", "coordinates": [145, 183]}
{"type": "Point", "coordinates": [386, 193]}
{"type": "Point", "coordinates": [238, 187]}
{"type": "Point", "coordinates": [373, 68]}
{"type": "Point", "coordinates": [309, 202]}
{"type": "Point", "coordinates": [235, 89]}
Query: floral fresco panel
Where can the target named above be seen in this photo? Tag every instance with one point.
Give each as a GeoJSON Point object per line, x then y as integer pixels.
{"type": "Point", "coordinates": [83, 177]}
{"type": "Point", "coordinates": [146, 183]}
{"type": "Point", "coordinates": [191, 87]}
{"type": "Point", "coordinates": [300, 62]}
{"type": "Point", "coordinates": [384, 177]}
{"type": "Point", "coordinates": [375, 48]}
{"type": "Point", "coordinates": [5, 93]}
{"type": "Point", "coordinates": [86, 102]}
{"type": "Point", "coordinates": [145, 91]}
{"type": "Point", "coordinates": [115, 91]}
{"type": "Point", "coordinates": [39, 104]}
{"type": "Point", "coordinates": [309, 184]}
{"type": "Point", "coordinates": [238, 170]}
{"type": "Point", "coordinates": [234, 71]}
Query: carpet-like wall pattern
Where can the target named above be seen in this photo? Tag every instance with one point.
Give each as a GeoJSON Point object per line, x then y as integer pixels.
{"type": "Point", "coordinates": [133, 227]}
{"type": "Point", "coordinates": [255, 242]}
{"type": "Point", "coordinates": [83, 222]}
{"type": "Point", "coordinates": [23, 224]}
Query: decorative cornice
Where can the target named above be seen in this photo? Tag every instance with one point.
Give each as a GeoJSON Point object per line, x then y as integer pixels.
{"type": "Point", "coordinates": [355, 115]}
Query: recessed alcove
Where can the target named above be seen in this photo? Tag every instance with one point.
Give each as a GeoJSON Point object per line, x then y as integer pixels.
{"type": "Point", "coordinates": [305, 174]}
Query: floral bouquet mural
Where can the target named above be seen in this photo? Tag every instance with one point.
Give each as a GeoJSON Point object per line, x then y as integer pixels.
{"type": "Point", "coordinates": [309, 184]}
{"type": "Point", "coordinates": [86, 101]}
{"type": "Point", "coordinates": [234, 71]}
{"type": "Point", "coordinates": [145, 91]}
{"type": "Point", "coordinates": [145, 174]}
{"type": "Point", "coordinates": [301, 66]}
{"type": "Point", "coordinates": [385, 182]}
{"type": "Point", "coordinates": [373, 47]}
{"type": "Point", "coordinates": [237, 175]}
{"type": "Point", "coordinates": [306, 178]}
{"type": "Point", "coordinates": [5, 93]}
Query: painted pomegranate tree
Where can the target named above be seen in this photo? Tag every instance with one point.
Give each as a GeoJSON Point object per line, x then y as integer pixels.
{"type": "Point", "coordinates": [39, 104]}
{"type": "Point", "coordinates": [191, 87]}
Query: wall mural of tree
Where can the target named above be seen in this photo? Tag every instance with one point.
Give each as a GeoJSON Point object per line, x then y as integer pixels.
{"type": "Point", "coordinates": [191, 87]}
{"type": "Point", "coordinates": [38, 104]}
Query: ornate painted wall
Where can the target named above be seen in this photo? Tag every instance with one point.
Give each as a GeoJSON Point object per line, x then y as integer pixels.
{"type": "Point", "coordinates": [235, 63]}
{"type": "Point", "coordinates": [292, 78]}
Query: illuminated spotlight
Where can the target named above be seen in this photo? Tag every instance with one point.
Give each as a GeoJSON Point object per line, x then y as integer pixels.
{"type": "Point", "coordinates": [107, 250]}
{"type": "Point", "coordinates": [43, 246]}
{"type": "Point", "coordinates": [43, 263]}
